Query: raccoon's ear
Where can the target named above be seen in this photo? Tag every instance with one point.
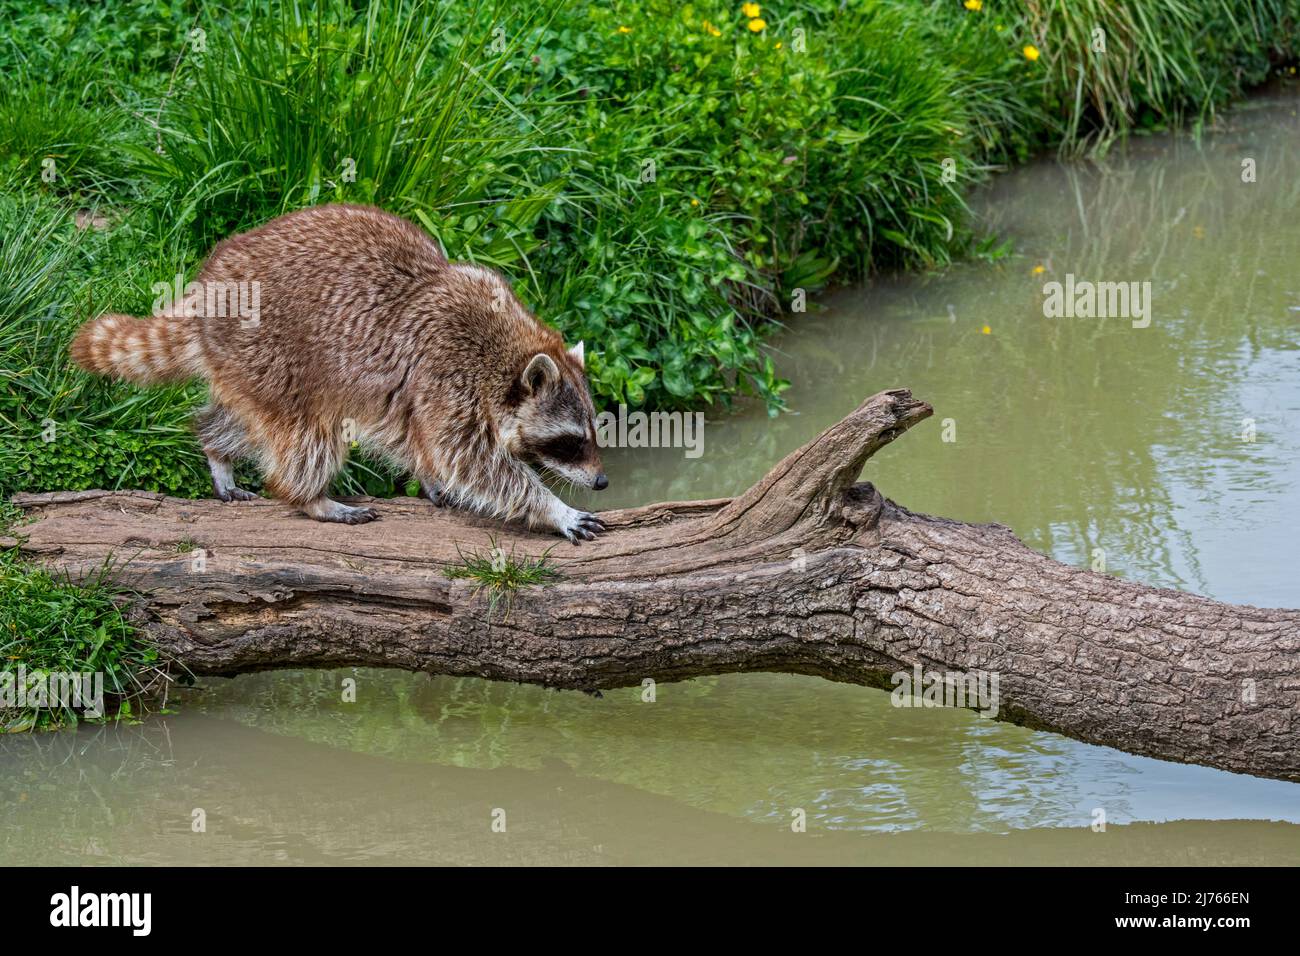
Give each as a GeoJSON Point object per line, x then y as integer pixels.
{"type": "Point", "coordinates": [578, 353]}
{"type": "Point", "coordinates": [540, 370]}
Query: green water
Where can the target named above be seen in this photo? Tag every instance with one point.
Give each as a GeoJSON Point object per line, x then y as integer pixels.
{"type": "Point", "coordinates": [1088, 437]}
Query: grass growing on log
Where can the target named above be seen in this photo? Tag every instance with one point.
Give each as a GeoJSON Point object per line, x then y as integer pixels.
{"type": "Point", "coordinates": [11, 517]}
{"type": "Point", "coordinates": [501, 576]}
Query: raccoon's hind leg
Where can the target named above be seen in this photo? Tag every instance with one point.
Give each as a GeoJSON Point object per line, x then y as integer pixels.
{"type": "Point", "coordinates": [300, 467]}
{"type": "Point", "coordinates": [224, 440]}
{"type": "Point", "coordinates": [327, 509]}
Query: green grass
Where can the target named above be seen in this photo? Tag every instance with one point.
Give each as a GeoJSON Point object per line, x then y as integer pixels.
{"type": "Point", "coordinates": [50, 625]}
{"type": "Point", "coordinates": [1117, 66]}
{"type": "Point", "coordinates": [502, 576]}
{"type": "Point", "coordinates": [62, 428]}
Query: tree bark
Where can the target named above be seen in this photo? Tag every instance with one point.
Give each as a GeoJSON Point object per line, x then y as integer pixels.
{"type": "Point", "coordinates": [807, 572]}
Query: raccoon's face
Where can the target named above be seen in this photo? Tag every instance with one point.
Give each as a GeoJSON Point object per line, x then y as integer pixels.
{"type": "Point", "coordinates": [555, 422]}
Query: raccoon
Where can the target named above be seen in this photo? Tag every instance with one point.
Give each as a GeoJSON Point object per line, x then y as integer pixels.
{"type": "Point", "coordinates": [364, 331]}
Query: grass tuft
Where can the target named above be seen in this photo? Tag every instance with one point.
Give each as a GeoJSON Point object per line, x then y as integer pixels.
{"type": "Point", "coordinates": [502, 576]}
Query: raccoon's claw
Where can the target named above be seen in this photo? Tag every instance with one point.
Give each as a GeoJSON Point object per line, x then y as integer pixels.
{"type": "Point", "coordinates": [235, 494]}
{"type": "Point", "coordinates": [326, 510]}
{"type": "Point", "coordinates": [582, 526]}
{"type": "Point", "coordinates": [359, 515]}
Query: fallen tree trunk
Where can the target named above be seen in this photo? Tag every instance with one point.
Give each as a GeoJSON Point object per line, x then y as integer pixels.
{"type": "Point", "coordinates": [807, 572]}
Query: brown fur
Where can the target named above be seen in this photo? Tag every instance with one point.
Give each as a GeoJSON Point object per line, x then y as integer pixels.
{"type": "Point", "coordinates": [363, 320]}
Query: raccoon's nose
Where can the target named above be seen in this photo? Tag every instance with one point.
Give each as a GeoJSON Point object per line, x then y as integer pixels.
{"type": "Point", "coordinates": [601, 482]}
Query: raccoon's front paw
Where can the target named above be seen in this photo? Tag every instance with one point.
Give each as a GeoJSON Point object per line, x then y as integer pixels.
{"type": "Point", "coordinates": [579, 526]}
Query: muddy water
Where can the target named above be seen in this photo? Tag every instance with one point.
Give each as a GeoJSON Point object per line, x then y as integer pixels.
{"type": "Point", "coordinates": [1092, 439]}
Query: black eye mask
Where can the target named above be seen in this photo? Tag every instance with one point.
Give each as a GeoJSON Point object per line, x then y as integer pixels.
{"type": "Point", "coordinates": [565, 448]}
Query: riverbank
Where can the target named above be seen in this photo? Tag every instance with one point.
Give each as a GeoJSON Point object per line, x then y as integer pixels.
{"type": "Point", "coordinates": [659, 181]}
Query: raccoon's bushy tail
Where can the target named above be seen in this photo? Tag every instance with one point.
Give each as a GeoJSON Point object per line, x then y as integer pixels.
{"type": "Point", "coordinates": [145, 351]}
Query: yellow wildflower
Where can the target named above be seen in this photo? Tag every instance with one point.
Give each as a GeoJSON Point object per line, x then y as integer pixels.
{"type": "Point", "coordinates": [1039, 270]}
{"type": "Point", "coordinates": [757, 25]}
{"type": "Point", "coordinates": [711, 30]}
{"type": "Point", "coordinates": [695, 202]}
{"type": "Point", "coordinates": [986, 331]}
{"type": "Point", "coordinates": [624, 29]}
{"type": "Point", "coordinates": [778, 44]}
{"type": "Point", "coordinates": [1030, 52]}
{"type": "Point", "coordinates": [973, 4]}
{"type": "Point", "coordinates": [751, 10]}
